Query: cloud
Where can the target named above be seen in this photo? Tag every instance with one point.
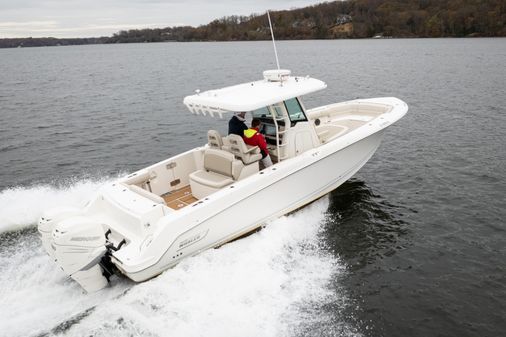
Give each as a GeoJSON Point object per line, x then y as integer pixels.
{"type": "Point", "coordinates": [28, 24]}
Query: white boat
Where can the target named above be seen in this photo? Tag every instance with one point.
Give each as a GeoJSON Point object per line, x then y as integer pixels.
{"type": "Point", "coordinates": [148, 221]}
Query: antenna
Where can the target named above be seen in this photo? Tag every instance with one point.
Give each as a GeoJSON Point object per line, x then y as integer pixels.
{"type": "Point", "coordinates": [273, 42]}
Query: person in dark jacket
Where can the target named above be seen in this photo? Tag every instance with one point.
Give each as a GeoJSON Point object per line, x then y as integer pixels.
{"type": "Point", "coordinates": [236, 124]}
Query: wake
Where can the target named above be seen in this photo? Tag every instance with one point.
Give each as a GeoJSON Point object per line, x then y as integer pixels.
{"type": "Point", "coordinates": [273, 283]}
{"type": "Point", "coordinates": [21, 207]}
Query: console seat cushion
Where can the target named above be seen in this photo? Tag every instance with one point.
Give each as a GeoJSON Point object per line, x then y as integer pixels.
{"type": "Point", "coordinates": [214, 139]}
{"type": "Point", "coordinates": [211, 179]}
{"type": "Point", "coordinates": [248, 154]}
{"type": "Point", "coordinates": [220, 169]}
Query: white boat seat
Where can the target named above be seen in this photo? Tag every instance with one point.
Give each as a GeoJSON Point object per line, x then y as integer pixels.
{"type": "Point", "coordinates": [211, 179]}
{"type": "Point", "coordinates": [329, 131]}
{"type": "Point", "coordinates": [220, 169]}
{"type": "Point", "coordinates": [214, 139]}
{"type": "Point", "coordinates": [146, 194]}
{"type": "Point", "coordinates": [248, 154]}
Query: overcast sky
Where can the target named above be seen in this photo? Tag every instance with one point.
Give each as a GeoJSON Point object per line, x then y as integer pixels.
{"type": "Point", "coordinates": [91, 18]}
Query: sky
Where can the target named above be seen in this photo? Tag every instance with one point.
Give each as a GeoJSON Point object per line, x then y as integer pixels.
{"type": "Point", "coordinates": [94, 18]}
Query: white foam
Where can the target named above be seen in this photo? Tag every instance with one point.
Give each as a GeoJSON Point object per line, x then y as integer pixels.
{"type": "Point", "coordinates": [22, 206]}
{"type": "Point", "coordinates": [35, 295]}
{"type": "Point", "coordinates": [262, 285]}
{"type": "Point", "coordinates": [267, 284]}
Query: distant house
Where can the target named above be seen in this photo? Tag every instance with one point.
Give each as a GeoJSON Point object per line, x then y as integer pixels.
{"type": "Point", "coordinates": [343, 27]}
{"type": "Point", "coordinates": [343, 19]}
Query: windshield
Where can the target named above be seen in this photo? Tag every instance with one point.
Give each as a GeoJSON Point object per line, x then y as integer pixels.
{"type": "Point", "coordinates": [266, 112]}
{"type": "Point", "coordinates": [278, 110]}
{"type": "Point", "coordinates": [295, 110]}
{"type": "Point", "coordinates": [261, 113]}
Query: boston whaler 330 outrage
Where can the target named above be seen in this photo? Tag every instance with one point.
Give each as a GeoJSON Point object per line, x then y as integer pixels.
{"type": "Point", "coordinates": [150, 220]}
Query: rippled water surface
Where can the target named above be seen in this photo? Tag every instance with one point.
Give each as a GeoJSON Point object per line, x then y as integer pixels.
{"type": "Point", "coordinates": [413, 245]}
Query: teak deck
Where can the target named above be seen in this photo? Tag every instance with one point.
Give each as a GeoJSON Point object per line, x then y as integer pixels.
{"type": "Point", "coordinates": [179, 198]}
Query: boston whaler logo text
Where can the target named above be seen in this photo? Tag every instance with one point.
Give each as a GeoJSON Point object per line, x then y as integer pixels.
{"type": "Point", "coordinates": [192, 239]}
{"type": "Point", "coordinates": [85, 238]}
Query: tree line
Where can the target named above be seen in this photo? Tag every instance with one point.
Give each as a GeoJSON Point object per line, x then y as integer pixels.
{"type": "Point", "coordinates": [328, 20]}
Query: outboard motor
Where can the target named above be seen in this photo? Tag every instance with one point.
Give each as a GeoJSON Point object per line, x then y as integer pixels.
{"type": "Point", "coordinates": [79, 244]}
{"type": "Point", "coordinates": [47, 222]}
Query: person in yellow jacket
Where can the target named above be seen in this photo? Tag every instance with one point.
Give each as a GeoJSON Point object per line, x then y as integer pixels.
{"type": "Point", "coordinates": [254, 138]}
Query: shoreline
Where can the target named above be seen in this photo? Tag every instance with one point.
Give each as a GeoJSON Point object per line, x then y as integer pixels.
{"type": "Point", "coordinates": [214, 41]}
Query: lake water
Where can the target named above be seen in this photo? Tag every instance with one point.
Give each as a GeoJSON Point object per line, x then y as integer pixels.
{"type": "Point", "coordinates": [413, 245]}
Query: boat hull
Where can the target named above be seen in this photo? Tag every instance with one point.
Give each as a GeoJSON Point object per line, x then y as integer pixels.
{"type": "Point", "coordinates": [242, 209]}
